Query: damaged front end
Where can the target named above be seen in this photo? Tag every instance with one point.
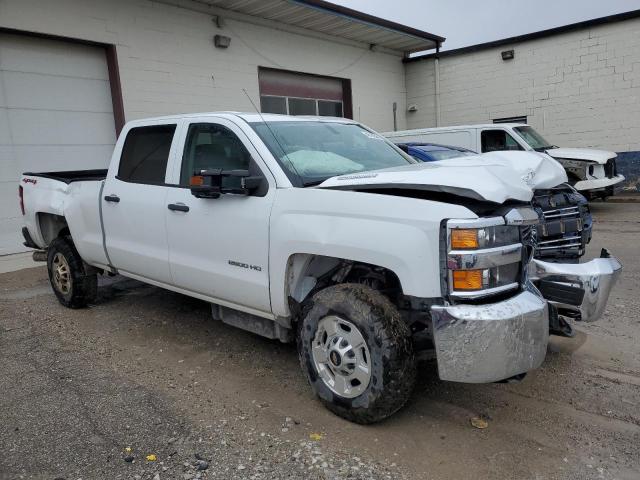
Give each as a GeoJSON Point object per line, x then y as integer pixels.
{"type": "Point", "coordinates": [493, 327]}
{"type": "Point", "coordinates": [491, 342]}
{"type": "Point", "coordinates": [579, 291]}
{"type": "Point", "coordinates": [495, 323]}
{"type": "Point", "coordinates": [565, 223]}
{"type": "Point", "coordinates": [594, 176]}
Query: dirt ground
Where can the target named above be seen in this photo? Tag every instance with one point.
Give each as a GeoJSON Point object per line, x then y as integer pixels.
{"type": "Point", "coordinates": [150, 370]}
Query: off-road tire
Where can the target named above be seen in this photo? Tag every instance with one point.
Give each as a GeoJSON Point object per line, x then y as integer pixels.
{"type": "Point", "coordinates": [388, 339]}
{"type": "Point", "coordinates": [83, 283]}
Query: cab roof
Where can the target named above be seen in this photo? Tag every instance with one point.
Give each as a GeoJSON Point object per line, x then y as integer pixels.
{"type": "Point", "coordinates": [250, 117]}
{"type": "Point", "coordinates": [454, 128]}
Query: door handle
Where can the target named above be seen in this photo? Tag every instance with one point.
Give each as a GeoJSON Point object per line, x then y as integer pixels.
{"type": "Point", "coordinates": [112, 198]}
{"type": "Point", "coordinates": [178, 207]}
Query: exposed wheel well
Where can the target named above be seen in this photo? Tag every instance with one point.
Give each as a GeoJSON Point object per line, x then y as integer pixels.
{"type": "Point", "coordinates": [308, 273]}
{"type": "Point", "coordinates": [52, 226]}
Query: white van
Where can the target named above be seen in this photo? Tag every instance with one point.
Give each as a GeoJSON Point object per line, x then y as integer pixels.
{"type": "Point", "coordinates": [592, 172]}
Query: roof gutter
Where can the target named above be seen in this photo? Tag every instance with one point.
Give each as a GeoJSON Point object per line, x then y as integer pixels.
{"type": "Point", "coordinates": [369, 19]}
{"type": "Point", "coordinates": [619, 17]}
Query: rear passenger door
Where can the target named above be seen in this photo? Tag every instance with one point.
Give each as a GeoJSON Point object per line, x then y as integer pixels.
{"type": "Point", "coordinates": [133, 203]}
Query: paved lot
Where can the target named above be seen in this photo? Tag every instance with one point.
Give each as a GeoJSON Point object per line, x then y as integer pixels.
{"type": "Point", "coordinates": [149, 370]}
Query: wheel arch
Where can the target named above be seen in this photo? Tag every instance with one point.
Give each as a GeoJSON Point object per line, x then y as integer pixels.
{"type": "Point", "coordinates": [305, 272]}
{"type": "Point", "coordinates": [51, 226]}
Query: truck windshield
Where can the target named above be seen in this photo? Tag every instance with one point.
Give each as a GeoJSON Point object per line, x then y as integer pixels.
{"type": "Point", "coordinates": [312, 151]}
{"type": "Point", "coordinates": [533, 138]}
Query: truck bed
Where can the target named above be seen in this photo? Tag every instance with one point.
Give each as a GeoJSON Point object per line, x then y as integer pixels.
{"type": "Point", "coordinates": [70, 176]}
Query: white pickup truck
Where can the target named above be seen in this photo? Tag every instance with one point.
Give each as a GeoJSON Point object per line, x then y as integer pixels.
{"type": "Point", "coordinates": [592, 172]}
{"type": "Point", "coordinates": [321, 231]}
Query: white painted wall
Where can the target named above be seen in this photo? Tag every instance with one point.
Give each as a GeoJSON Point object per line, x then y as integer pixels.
{"type": "Point", "coordinates": [579, 89]}
{"type": "Point", "coordinates": [168, 63]}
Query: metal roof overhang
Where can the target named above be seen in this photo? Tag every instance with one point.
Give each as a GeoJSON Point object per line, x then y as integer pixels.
{"type": "Point", "coordinates": [334, 20]}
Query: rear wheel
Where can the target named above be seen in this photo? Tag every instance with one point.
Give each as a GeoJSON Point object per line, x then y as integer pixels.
{"type": "Point", "coordinates": [357, 353]}
{"type": "Point", "coordinates": [73, 285]}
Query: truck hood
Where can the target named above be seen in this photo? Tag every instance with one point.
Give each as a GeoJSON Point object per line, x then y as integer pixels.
{"type": "Point", "coordinates": [495, 177]}
{"type": "Point", "coordinates": [599, 156]}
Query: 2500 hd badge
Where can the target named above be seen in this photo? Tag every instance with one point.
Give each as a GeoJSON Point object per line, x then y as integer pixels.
{"type": "Point", "coordinates": [257, 268]}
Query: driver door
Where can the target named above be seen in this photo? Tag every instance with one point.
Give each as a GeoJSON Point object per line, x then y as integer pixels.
{"type": "Point", "coordinates": [219, 247]}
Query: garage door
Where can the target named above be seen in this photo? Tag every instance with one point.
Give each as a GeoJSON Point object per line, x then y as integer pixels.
{"type": "Point", "coordinates": [292, 93]}
{"type": "Point", "coordinates": [55, 114]}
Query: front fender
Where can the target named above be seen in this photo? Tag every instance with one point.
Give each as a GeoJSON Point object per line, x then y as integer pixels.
{"type": "Point", "coordinates": [398, 233]}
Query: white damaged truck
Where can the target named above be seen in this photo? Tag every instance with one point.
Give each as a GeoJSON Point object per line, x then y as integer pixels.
{"type": "Point", "coordinates": [322, 232]}
{"type": "Point", "coordinates": [592, 172]}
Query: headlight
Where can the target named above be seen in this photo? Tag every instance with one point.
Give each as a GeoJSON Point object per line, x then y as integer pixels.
{"type": "Point", "coordinates": [484, 257]}
{"type": "Point", "coordinates": [579, 168]}
{"type": "Point", "coordinates": [485, 279]}
{"type": "Point", "coordinates": [487, 237]}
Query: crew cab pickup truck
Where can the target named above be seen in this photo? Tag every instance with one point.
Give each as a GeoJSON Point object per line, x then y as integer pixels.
{"type": "Point", "coordinates": [592, 172]}
{"type": "Point", "coordinates": [321, 231]}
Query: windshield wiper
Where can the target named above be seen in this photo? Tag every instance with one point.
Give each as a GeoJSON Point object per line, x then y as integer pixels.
{"type": "Point", "coordinates": [544, 149]}
{"type": "Point", "coordinates": [313, 183]}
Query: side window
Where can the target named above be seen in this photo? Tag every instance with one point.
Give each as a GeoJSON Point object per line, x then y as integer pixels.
{"type": "Point", "coordinates": [211, 146]}
{"type": "Point", "coordinates": [145, 154]}
{"type": "Point", "coordinates": [498, 140]}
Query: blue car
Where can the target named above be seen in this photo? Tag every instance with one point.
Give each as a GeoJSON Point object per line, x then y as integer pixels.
{"type": "Point", "coordinates": [566, 222]}
{"type": "Point", "coordinates": [431, 152]}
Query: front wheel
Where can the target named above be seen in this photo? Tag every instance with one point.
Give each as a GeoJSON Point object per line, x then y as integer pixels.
{"type": "Point", "coordinates": [73, 285]}
{"type": "Point", "coordinates": [357, 353]}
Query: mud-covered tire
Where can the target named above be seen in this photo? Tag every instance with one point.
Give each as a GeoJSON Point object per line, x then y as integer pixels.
{"type": "Point", "coordinates": [81, 285]}
{"type": "Point", "coordinates": [388, 338]}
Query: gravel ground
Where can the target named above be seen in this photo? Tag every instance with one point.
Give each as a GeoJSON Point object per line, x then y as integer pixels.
{"type": "Point", "coordinates": [89, 394]}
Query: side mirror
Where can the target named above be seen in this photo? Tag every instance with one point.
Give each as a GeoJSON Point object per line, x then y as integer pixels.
{"type": "Point", "coordinates": [208, 183]}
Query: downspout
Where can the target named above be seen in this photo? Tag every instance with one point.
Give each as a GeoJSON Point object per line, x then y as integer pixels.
{"type": "Point", "coordinates": [436, 66]}
{"type": "Point", "coordinates": [395, 116]}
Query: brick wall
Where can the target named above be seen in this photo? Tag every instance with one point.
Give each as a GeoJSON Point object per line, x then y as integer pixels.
{"type": "Point", "coordinates": [168, 63]}
{"type": "Point", "coordinates": [580, 89]}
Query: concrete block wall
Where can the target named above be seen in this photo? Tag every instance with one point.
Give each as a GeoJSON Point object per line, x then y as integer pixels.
{"type": "Point", "coordinates": [579, 89]}
{"type": "Point", "coordinates": [168, 63]}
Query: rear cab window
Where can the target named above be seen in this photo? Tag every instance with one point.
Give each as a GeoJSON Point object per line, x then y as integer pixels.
{"type": "Point", "coordinates": [145, 154]}
{"type": "Point", "coordinates": [498, 140]}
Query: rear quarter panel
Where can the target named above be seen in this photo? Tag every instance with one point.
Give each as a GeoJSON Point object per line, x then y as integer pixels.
{"type": "Point", "coordinates": [78, 202]}
{"type": "Point", "coordinates": [41, 195]}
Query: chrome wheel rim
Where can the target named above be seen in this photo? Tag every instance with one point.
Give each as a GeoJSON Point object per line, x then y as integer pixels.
{"type": "Point", "coordinates": [341, 357]}
{"type": "Point", "coordinates": [61, 274]}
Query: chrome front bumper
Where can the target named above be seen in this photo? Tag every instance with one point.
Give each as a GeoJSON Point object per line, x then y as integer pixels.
{"type": "Point", "coordinates": [487, 343]}
{"type": "Point", "coordinates": [578, 290]}
{"type": "Point", "coordinates": [597, 183]}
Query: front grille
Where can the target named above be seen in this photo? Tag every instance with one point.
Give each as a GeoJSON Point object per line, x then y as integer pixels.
{"type": "Point", "coordinates": [565, 223]}
{"type": "Point", "coordinates": [610, 170]}
{"type": "Point", "coordinates": [567, 242]}
{"type": "Point", "coordinates": [561, 213]}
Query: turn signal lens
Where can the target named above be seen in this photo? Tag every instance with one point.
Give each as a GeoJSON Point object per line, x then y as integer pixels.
{"type": "Point", "coordinates": [467, 279]}
{"type": "Point", "coordinates": [464, 238]}
{"type": "Point", "coordinates": [197, 180]}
